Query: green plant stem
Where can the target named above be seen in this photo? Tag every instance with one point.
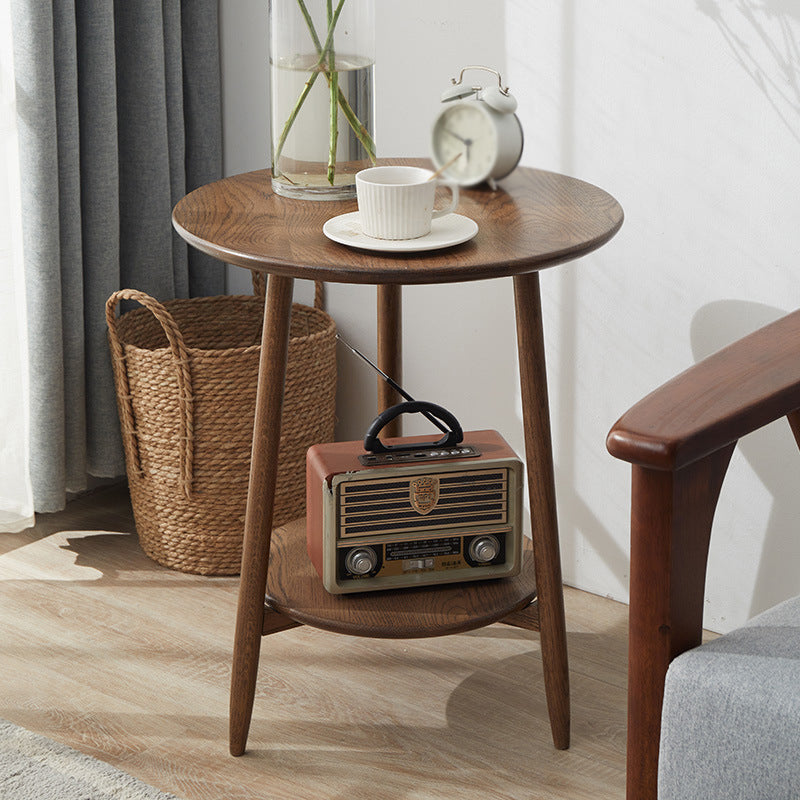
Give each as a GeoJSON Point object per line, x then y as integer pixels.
{"type": "Point", "coordinates": [292, 117]}
{"type": "Point", "coordinates": [333, 86]}
{"type": "Point", "coordinates": [362, 134]}
{"type": "Point", "coordinates": [310, 23]}
{"type": "Point", "coordinates": [331, 76]}
{"type": "Point", "coordinates": [334, 127]}
{"type": "Point", "coordinates": [329, 38]}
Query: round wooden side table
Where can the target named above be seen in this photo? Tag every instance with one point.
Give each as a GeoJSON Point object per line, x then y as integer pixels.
{"type": "Point", "coordinates": [534, 220]}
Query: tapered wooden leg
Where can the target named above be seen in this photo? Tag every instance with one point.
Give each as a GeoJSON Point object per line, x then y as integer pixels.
{"type": "Point", "coordinates": [544, 522]}
{"type": "Point", "coordinates": [671, 517]}
{"type": "Point", "coordinates": [260, 502]}
{"type": "Point", "coordinates": [390, 355]}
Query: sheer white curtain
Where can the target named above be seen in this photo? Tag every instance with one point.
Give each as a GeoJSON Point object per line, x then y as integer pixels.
{"type": "Point", "coordinates": [16, 501]}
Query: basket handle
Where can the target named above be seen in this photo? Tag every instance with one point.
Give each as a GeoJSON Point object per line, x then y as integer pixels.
{"type": "Point", "coordinates": [260, 289]}
{"type": "Point", "coordinates": [180, 358]}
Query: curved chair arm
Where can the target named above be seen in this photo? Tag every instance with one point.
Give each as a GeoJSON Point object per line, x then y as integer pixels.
{"type": "Point", "coordinates": [739, 389]}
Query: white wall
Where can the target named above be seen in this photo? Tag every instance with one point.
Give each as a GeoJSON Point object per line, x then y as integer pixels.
{"type": "Point", "coordinates": [689, 114]}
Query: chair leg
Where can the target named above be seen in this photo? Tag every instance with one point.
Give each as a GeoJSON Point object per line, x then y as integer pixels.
{"type": "Point", "coordinates": [541, 486]}
{"type": "Point", "coordinates": [260, 502]}
{"type": "Point", "coordinates": [671, 517]}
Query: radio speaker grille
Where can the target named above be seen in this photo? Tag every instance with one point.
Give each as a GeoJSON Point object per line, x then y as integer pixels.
{"type": "Point", "coordinates": [460, 500]}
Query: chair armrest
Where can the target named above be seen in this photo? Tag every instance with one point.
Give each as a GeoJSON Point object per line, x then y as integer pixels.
{"type": "Point", "coordinates": [739, 389]}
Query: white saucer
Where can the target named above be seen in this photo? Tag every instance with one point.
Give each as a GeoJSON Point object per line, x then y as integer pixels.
{"type": "Point", "coordinates": [446, 231]}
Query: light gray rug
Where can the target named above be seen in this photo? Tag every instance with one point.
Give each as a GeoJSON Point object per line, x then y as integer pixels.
{"type": "Point", "coordinates": [35, 768]}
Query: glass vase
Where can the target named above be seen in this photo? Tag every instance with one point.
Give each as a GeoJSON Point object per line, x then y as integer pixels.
{"type": "Point", "coordinates": [322, 66]}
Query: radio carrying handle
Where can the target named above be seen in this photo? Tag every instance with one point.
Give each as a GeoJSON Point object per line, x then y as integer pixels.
{"type": "Point", "coordinates": [453, 436]}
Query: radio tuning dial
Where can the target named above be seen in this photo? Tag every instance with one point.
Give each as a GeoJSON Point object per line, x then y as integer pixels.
{"type": "Point", "coordinates": [361, 561]}
{"type": "Point", "coordinates": [484, 549]}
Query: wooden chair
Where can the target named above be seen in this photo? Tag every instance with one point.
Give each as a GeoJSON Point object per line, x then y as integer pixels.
{"type": "Point", "coordinates": [679, 440]}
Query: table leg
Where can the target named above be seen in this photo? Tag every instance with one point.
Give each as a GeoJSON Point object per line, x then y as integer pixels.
{"type": "Point", "coordinates": [390, 350]}
{"type": "Point", "coordinates": [541, 486]}
{"type": "Point", "coordinates": [260, 502]}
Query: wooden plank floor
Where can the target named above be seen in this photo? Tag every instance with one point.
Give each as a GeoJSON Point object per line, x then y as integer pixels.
{"type": "Point", "coordinates": [106, 651]}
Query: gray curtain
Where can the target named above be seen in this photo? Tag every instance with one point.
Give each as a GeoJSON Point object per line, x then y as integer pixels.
{"type": "Point", "coordinates": [119, 106]}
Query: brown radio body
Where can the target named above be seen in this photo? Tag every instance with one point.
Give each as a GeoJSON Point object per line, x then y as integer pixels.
{"type": "Point", "coordinates": [414, 524]}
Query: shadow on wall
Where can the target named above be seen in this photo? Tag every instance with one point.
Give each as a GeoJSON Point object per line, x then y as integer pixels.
{"type": "Point", "coordinates": [764, 39]}
{"type": "Point", "coordinates": [560, 289]}
{"type": "Point", "coordinates": [763, 36]}
{"type": "Point", "coordinates": [770, 452]}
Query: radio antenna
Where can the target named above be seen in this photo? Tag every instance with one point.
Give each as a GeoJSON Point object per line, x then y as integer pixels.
{"type": "Point", "coordinates": [399, 389]}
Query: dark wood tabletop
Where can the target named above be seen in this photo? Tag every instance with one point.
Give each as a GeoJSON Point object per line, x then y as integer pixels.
{"type": "Point", "coordinates": [533, 220]}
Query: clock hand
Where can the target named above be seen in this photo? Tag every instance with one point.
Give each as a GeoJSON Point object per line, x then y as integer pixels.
{"type": "Point", "coordinates": [467, 142]}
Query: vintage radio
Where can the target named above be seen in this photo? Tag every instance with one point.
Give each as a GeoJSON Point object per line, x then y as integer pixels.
{"type": "Point", "coordinates": [413, 512]}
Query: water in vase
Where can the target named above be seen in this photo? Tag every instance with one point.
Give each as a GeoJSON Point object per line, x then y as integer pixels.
{"type": "Point", "coordinates": [302, 132]}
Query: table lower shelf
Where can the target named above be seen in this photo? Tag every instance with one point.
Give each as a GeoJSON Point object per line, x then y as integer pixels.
{"type": "Point", "coordinates": [295, 591]}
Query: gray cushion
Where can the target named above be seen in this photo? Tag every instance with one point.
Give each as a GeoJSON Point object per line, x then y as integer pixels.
{"type": "Point", "coordinates": [731, 719]}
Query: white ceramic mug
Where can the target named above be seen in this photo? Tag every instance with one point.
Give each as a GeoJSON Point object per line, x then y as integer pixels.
{"type": "Point", "coordinates": [397, 202]}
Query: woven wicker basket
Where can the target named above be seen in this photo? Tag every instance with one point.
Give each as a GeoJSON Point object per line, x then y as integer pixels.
{"type": "Point", "coordinates": [185, 375]}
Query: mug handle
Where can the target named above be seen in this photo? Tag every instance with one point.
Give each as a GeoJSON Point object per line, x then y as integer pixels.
{"type": "Point", "coordinates": [453, 187]}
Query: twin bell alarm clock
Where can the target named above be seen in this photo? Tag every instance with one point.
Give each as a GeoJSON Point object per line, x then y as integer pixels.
{"type": "Point", "coordinates": [477, 136]}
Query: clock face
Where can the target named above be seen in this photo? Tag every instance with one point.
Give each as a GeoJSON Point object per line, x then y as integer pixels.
{"type": "Point", "coordinates": [466, 129]}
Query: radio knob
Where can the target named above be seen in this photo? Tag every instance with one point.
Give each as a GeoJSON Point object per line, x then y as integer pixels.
{"type": "Point", "coordinates": [484, 549]}
{"type": "Point", "coordinates": [361, 561]}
